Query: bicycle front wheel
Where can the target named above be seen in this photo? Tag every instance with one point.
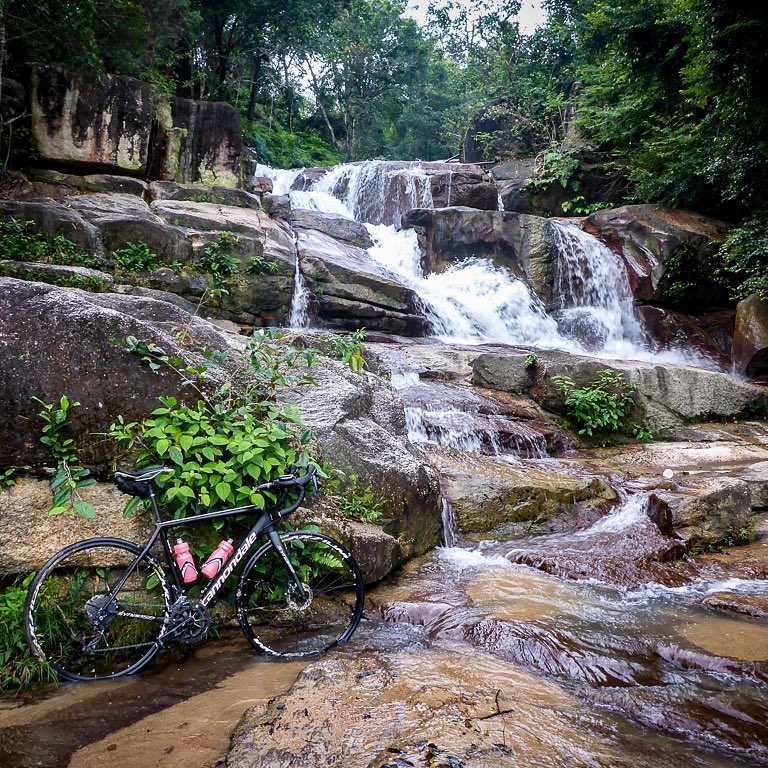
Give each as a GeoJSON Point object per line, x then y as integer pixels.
{"type": "Point", "coordinates": [277, 620]}
{"type": "Point", "coordinates": [93, 611]}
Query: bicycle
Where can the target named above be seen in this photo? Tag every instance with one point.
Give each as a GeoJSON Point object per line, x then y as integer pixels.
{"type": "Point", "coordinates": [104, 607]}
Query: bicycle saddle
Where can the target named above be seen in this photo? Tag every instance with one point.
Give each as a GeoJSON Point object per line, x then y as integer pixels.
{"type": "Point", "coordinates": [143, 475]}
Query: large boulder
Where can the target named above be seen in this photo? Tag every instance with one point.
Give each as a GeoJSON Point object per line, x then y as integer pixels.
{"type": "Point", "coordinates": [97, 126]}
{"type": "Point", "coordinates": [197, 142]}
{"type": "Point", "coordinates": [338, 227]}
{"type": "Point", "coordinates": [464, 185]}
{"type": "Point", "coordinates": [359, 427]}
{"type": "Point", "coordinates": [200, 193]}
{"type": "Point", "coordinates": [350, 291]}
{"type": "Point", "coordinates": [662, 249]}
{"type": "Point", "coordinates": [518, 242]}
{"type": "Point", "coordinates": [55, 219]}
{"type": "Point", "coordinates": [670, 395]}
{"type": "Point", "coordinates": [125, 218]}
{"type": "Point", "coordinates": [56, 341]}
{"type": "Point", "coordinates": [29, 535]}
{"type": "Point", "coordinates": [750, 341]}
{"type": "Point", "coordinates": [720, 510]}
{"type": "Point", "coordinates": [489, 497]}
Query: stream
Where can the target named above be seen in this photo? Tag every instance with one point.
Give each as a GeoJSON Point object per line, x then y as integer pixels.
{"type": "Point", "coordinates": [589, 645]}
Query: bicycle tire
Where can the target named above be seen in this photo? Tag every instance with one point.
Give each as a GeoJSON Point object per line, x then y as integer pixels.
{"type": "Point", "coordinates": [278, 624]}
{"type": "Point", "coordinates": [73, 624]}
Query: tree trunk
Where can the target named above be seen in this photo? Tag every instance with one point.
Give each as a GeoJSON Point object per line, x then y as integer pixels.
{"type": "Point", "coordinates": [256, 57]}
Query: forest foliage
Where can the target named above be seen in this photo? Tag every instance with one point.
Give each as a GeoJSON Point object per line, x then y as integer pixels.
{"type": "Point", "coordinates": [673, 93]}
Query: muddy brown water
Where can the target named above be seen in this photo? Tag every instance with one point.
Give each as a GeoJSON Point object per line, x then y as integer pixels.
{"type": "Point", "coordinates": [173, 715]}
{"type": "Point", "coordinates": [617, 672]}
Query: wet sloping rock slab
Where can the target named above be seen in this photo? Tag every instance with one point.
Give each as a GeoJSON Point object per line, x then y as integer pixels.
{"type": "Point", "coordinates": [670, 394]}
{"type": "Point", "coordinates": [489, 496]}
{"type": "Point", "coordinates": [351, 291]}
{"type": "Point", "coordinates": [628, 547]}
{"type": "Point", "coordinates": [447, 706]}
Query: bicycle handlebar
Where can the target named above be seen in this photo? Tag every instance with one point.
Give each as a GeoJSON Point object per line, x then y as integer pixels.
{"type": "Point", "coordinates": [286, 481]}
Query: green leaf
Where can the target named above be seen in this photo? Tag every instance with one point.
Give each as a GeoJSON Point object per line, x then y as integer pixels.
{"type": "Point", "coordinates": [175, 455]}
{"type": "Point", "coordinates": [53, 511]}
{"type": "Point", "coordinates": [84, 509]}
{"type": "Point", "coordinates": [223, 490]}
{"type": "Point", "coordinates": [162, 446]}
{"type": "Point", "coordinates": [131, 506]}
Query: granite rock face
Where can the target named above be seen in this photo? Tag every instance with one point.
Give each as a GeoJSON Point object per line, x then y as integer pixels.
{"type": "Point", "coordinates": [99, 126]}
{"type": "Point", "coordinates": [750, 343]}
{"type": "Point", "coordinates": [118, 125]}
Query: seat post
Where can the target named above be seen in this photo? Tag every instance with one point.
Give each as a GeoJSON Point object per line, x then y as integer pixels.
{"type": "Point", "coordinates": [154, 503]}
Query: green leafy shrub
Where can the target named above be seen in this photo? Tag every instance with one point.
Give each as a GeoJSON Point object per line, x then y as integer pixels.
{"type": "Point", "coordinates": [217, 258]}
{"type": "Point", "coordinates": [744, 259]}
{"type": "Point", "coordinates": [280, 148]}
{"type": "Point", "coordinates": [93, 284]}
{"type": "Point", "coordinates": [70, 477]}
{"type": "Point", "coordinates": [353, 500]}
{"type": "Point", "coordinates": [18, 667]}
{"type": "Point", "coordinates": [135, 257]}
{"type": "Point", "coordinates": [233, 437]}
{"type": "Point", "coordinates": [258, 265]}
{"type": "Point", "coordinates": [21, 241]}
{"type": "Point", "coordinates": [347, 347]}
{"type": "Point", "coordinates": [603, 405]}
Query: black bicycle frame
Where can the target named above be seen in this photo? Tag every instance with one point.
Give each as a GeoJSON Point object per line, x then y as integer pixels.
{"type": "Point", "coordinates": [265, 524]}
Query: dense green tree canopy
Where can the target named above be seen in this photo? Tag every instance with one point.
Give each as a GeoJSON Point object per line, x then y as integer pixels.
{"type": "Point", "coordinates": [674, 93]}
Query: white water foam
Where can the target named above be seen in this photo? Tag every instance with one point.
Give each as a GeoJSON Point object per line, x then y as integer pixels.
{"type": "Point", "coordinates": [282, 180]}
{"type": "Point", "coordinates": [475, 301]}
{"type": "Point", "coordinates": [595, 305]}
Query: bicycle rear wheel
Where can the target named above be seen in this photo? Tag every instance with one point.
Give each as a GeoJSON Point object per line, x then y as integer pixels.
{"type": "Point", "coordinates": [86, 630]}
{"type": "Point", "coordinates": [276, 620]}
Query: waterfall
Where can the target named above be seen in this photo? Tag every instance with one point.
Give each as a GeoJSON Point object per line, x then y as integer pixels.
{"type": "Point", "coordinates": [475, 301]}
{"type": "Point", "coordinates": [448, 520]}
{"type": "Point", "coordinates": [298, 317]}
{"type": "Point", "coordinates": [282, 180]}
{"type": "Point", "coordinates": [378, 192]}
{"type": "Point", "coordinates": [593, 299]}
{"type": "Point", "coordinates": [594, 304]}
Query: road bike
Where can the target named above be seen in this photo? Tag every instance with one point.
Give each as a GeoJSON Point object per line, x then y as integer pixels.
{"type": "Point", "coordinates": [104, 607]}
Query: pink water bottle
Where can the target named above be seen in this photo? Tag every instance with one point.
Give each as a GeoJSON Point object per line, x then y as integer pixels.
{"type": "Point", "coordinates": [217, 558]}
{"type": "Point", "coordinates": [185, 562]}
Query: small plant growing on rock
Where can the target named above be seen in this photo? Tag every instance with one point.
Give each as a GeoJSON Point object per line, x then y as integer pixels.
{"type": "Point", "coordinates": [531, 361]}
{"type": "Point", "coordinates": [347, 347]}
{"type": "Point", "coordinates": [258, 265]}
{"type": "Point", "coordinates": [218, 260]}
{"type": "Point", "coordinates": [603, 405]}
{"type": "Point", "coordinates": [135, 257]}
{"type": "Point", "coordinates": [233, 436]}
{"type": "Point", "coordinates": [70, 477]}
{"type": "Point", "coordinates": [353, 500]}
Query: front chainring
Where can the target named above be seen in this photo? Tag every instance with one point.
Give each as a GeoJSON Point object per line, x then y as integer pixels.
{"type": "Point", "coordinates": [189, 621]}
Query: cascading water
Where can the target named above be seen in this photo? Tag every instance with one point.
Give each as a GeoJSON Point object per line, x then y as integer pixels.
{"type": "Point", "coordinates": [298, 317]}
{"type": "Point", "coordinates": [592, 295]}
{"type": "Point", "coordinates": [594, 303]}
{"type": "Point", "coordinates": [475, 301]}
